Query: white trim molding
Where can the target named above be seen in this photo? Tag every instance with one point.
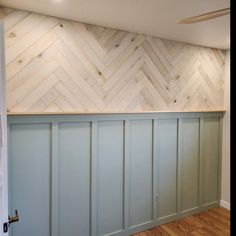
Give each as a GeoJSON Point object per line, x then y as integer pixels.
{"type": "Point", "coordinates": [224, 204]}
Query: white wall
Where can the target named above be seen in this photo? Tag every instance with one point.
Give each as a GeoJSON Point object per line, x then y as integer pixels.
{"type": "Point", "coordinates": [225, 182]}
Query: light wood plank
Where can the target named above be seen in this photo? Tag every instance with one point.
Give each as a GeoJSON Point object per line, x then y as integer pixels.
{"type": "Point", "coordinates": [208, 223]}
{"type": "Point", "coordinates": [102, 69]}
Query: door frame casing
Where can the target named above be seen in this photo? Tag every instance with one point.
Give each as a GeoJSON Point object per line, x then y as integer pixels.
{"type": "Point", "coordinates": [3, 149]}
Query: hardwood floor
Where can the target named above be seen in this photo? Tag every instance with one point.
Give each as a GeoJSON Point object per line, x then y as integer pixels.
{"type": "Point", "coordinates": [215, 222]}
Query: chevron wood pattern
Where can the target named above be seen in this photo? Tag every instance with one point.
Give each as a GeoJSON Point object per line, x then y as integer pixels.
{"type": "Point", "coordinates": [55, 65]}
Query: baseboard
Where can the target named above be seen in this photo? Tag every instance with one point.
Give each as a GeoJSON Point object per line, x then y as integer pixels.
{"type": "Point", "coordinates": [225, 204]}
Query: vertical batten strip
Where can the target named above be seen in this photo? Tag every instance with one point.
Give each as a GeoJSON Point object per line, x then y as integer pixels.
{"type": "Point", "coordinates": [200, 182]}
{"type": "Point", "coordinates": [94, 180]}
{"type": "Point", "coordinates": [154, 169]}
{"type": "Point", "coordinates": [199, 167]}
{"type": "Point", "coordinates": [55, 179]}
{"type": "Point", "coordinates": [220, 157]}
{"type": "Point", "coordinates": [126, 173]}
{"type": "Point", "coordinates": [179, 164]}
{"type": "Point", "coordinates": [9, 148]}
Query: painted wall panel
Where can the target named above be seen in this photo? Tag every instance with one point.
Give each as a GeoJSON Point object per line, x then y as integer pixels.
{"type": "Point", "coordinates": [30, 178]}
{"type": "Point", "coordinates": [110, 177]}
{"type": "Point", "coordinates": [141, 206]}
{"type": "Point", "coordinates": [74, 179]}
{"type": "Point", "coordinates": [210, 159]}
{"type": "Point", "coordinates": [167, 167]}
{"type": "Point", "coordinates": [189, 150]}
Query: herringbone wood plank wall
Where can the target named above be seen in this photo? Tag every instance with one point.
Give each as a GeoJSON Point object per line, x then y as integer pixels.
{"type": "Point", "coordinates": [55, 65]}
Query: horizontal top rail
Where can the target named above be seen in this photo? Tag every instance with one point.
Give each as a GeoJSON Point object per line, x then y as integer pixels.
{"type": "Point", "coordinates": [93, 117]}
{"type": "Point", "coordinates": [108, 112]}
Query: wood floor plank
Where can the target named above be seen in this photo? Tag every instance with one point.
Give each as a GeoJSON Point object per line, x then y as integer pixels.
{"type": "Point", "coordinates": [214, 222]}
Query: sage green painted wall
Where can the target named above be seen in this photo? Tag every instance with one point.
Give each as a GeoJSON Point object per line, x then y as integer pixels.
{"type": "Point", "coordinates": [167, 141]}
{"type": "Point", "coordinates": [74, 179]}
{"type": "Point", "coordinates": [29, 181]}
{"type": "Point", "coordinates": [110, 177]}
{"type": "Point", "coordinates": [111, 174]}
{"type": "Point", "coordinates": [140, 172]}
{"type": "Point", "coordinates": [210, 162]}
{"type": "Point", "coordinates": [189, 161]}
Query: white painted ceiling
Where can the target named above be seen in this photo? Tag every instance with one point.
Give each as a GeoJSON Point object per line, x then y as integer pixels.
{"type": "Point", "coordinates": [151, 17]}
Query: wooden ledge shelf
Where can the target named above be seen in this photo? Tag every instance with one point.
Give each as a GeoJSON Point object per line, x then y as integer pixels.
{"type": "Point", "coordinates": [109, 112]}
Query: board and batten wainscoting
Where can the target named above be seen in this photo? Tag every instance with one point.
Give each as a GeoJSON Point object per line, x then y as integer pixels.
{"type": "Point", "coordinates": [111, 174]}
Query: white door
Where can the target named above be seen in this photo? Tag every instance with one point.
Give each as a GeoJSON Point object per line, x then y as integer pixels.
{"type": "Point", "coordinates": [3, 140]}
